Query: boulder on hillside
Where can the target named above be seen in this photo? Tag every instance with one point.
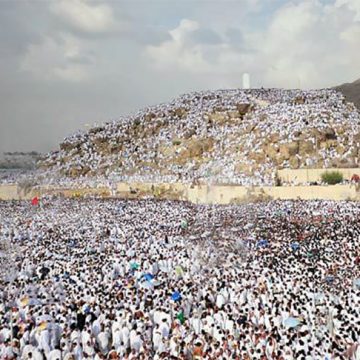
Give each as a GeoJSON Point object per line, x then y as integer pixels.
{"type": "Point", "coordinates": [289, 149]}
{"type": "Point", "coordinates": [243, 109]}
{"type": "Point", "coordinates": [306, 148]}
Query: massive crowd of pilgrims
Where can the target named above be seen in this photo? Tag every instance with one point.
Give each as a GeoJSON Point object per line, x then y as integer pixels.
{"type": "Point", "coordinates": [144, 279]}
{"type": "Point", "coordinates": [284, 113]}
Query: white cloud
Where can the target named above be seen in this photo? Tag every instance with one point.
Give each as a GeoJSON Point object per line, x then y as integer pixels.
{"type": "Point", "coordinates": [316, 42]}
{"type": "Point", "coordinates": [306, 43]}
{"type": "Point", "coordinates": [84, 16]}
{"type": "Point", "coordinates": [185, 51]}
{"type": "Point", "coordinates": [62, 59]}
{"type": "Point", "coordinates": [351, 35]}
{"type": "Point", "coordinates": [309, 43]}
{"type": "Point", "coordinates": [178, 51]}
{"type": "Point", "coordinates": [353, 5]}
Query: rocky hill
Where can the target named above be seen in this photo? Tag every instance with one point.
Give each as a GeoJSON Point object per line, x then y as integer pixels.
{"type": "Point", "coordinates": [225, 136]}
{"type": "Point", "coordinates": [351, 92]}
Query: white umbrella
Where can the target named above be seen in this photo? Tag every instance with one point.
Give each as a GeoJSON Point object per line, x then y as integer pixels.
{"type": "Point", "coordinates": [291, 322]}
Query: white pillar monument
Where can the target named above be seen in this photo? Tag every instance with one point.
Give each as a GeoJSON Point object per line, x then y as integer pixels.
{"type": "Point", "coordinates": [246, 81]}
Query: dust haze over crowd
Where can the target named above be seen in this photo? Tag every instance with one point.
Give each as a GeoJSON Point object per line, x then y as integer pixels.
{"type": "Point", "coordinates": [66, 64]}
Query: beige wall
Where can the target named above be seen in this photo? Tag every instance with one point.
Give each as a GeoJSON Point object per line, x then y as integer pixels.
{"type": "Point", "coordinates": [8, 192]}
{"type": "Point", "coordinates": [223, 194]}
{"type": "Point", "coordinates": [335, 192]}
{"type": "Point", "coordinates": [199, 194]}
{"type": "Point", "coordinates": [233, 194]}
{"type": "Point", "coordinates": [310, 175]}
{"type": "Point", "coordinates": [11, 192]}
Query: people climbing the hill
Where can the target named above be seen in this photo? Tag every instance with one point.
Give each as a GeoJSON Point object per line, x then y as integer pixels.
{"type": "Point", "coordinates": [226, 136]}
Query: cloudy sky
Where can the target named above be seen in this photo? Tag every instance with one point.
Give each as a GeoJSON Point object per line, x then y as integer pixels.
{"type": "Point", "coordinates": [68, 63]}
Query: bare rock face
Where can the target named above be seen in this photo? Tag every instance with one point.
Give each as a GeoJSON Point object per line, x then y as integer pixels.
{"type": "Point", "coordinates": [357, 138]}
{"type": "Point", "coordinates": [243, 109]}
{"type": "Point", "coordinates": [218, 117]}
{"type": "Point", "coordinates": [67, 146]}
{"type": "Point", "coordinates": [351, 91]}
{"type": "Point", "coordinates": [289, 149]}
{"type": "Point", "coordinates": [306, 148]}
{"type": "Point", "coordinates": [147, 118]}
{"type": "Point", "coordinates": [233, 114]}
{"type": "Point", "coordinates": [74, 172]}
{"type": "Point", "coordinates": [273, 138]}
{"type": "Point", "coordinates": [196, 148]}
{"type": "Point", "coordinates": [294, 162]}
{"type": "Point", "coordinates": [222, 116]}
{"type": "Point", "coordinates": [328, 144]}
{"type": "Point", "coordinates": [329, 134]}
{"type": "Point", "coordinates": [258, 157]}
{"type": "Point", "coordinates": [189, 133]}
{"type": "Point", "coordinates": [179, 112]}
{"type": "Point", "coordinates": [242, 168]}
{"type": "Point", "coordinates": [299, 100]}
{"type": "Point", "coordinates": [96, 130]}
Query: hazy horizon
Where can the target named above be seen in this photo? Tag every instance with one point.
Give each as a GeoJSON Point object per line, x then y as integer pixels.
{"type": "Point", "coordinates": [64, 64]}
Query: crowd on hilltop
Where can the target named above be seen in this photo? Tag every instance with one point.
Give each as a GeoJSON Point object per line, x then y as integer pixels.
{"type": "Point", "coordinates": [111, 279]}
{"type": "Point", "coordinates": [136, 147]}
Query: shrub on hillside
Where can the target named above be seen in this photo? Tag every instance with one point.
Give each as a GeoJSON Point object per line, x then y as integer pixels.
{"type": "Point", "coordinates": [332, 177]}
